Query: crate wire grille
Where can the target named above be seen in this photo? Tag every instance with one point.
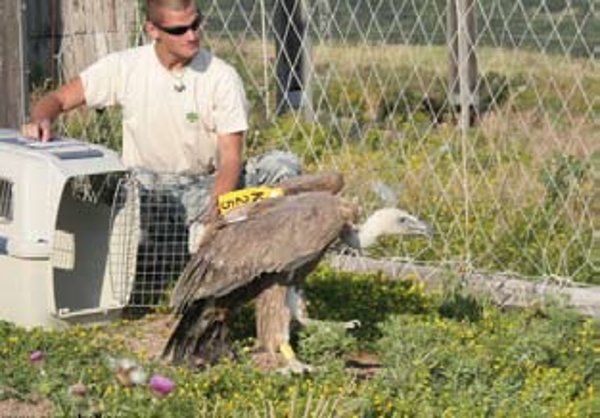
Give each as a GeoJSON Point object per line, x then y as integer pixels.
{"type": "Point", "coordinates": [6, 200]}
{"type": "Point", "coordinates": [149, 243]}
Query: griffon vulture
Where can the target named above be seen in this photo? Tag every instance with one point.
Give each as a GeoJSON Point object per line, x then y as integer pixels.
{"type": "Point", "coordinates": [271, 242]}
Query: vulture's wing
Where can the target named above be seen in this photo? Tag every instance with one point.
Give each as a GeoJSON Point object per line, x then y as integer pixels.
{"type": "Point", "coordinates": [331, 181]}
{"type": "Point", "coordinates": [278, 235]}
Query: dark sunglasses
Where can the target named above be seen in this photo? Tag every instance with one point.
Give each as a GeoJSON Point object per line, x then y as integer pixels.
{"type": "Point", "coordinates": [180, 30]}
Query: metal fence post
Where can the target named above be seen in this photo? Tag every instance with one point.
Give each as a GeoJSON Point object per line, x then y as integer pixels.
{"type": "Point", "coordinates": [292, 55]}
{"type": "Point", "coordinates": [265, 57]}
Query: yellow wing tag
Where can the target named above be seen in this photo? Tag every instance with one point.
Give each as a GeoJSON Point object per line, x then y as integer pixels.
{"type": "Point", "coordinates": [237, 198]}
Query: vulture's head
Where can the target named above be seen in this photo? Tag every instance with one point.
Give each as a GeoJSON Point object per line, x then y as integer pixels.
{"type": "Point", "coordinates": [394, 221]}
{"type": "Point", "coordinates": [387, 221]}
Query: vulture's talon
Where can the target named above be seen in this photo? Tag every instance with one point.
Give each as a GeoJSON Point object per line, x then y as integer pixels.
{"type": "Point", "coordinates": [295, 367]}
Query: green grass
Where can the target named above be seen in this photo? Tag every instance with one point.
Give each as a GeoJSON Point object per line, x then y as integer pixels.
{"type": "Point", "coordinates": [436, 361]}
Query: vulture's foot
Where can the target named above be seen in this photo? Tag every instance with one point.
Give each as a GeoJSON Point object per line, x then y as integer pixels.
{"type": "Point", "coordinates": [296, 303]}
{"type": "Point", "coordinates": [279, 362]}
{"type": "Point", "coordinates": [318, 323]}
{"type": "Point", "coordinates": [295, 366]}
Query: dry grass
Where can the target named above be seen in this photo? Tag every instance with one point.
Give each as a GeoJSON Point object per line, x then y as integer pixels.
{"type": "Point", "coordinates": [13, 408]}
{"type": "Point", "coordinates": [344, 58]}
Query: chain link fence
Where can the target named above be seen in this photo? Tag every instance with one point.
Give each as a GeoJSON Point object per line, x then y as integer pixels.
{"type": "Point", "coordinates": [514, 189]}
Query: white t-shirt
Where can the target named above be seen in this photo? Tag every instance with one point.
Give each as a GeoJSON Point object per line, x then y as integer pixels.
{"type": "Point", "coordinates": [166, 130]}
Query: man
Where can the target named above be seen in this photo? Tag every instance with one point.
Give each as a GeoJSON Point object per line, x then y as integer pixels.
{"type": "Point", "coordinates": [184, 119]}
{"type": "Point", "coordinates": [184, 110]}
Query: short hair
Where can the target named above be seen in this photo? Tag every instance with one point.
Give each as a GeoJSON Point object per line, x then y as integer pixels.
{"type": "Point", "coordinates": [153, 7]}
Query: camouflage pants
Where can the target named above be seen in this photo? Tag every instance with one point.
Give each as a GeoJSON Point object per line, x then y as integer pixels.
{"type": "Point", "coordinates": [193, 192]}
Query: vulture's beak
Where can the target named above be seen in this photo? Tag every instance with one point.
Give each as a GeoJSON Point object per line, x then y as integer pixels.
{"type": "Point", "coordinates": [423, 228]}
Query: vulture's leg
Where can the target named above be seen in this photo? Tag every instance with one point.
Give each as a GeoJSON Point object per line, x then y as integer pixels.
{"type": "Point", "coordinates": [273, 319]}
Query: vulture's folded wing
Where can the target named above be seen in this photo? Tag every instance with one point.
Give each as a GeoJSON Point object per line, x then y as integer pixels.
{"type": "Point", "coordinates": [279, 235]}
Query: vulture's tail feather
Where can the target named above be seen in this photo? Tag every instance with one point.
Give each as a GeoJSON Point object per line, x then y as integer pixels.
{"type": "Point", "coordinates": [186, 285]}
{"type": "Point", "coordinates": [200, 337]}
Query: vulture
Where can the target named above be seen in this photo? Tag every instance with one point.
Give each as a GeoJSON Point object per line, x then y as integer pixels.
{"type": "Point", "coordinates": [269, 244]}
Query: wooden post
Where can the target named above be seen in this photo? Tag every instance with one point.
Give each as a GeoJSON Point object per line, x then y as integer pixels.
{"type": "Point", "coordinates": [595, 15]}
{"type": "Point", "coordinates": [291, 49]}
{"type": "Point", "coordinates": [324, 17]}
{"type": "Point", "coordinates": [462, 69]}
{"type": "Point", "coordinates": [65, 36]}
{"type": "Point", "coordinates": [13, 91]}
{"type": "Point", "coordinates": [503, 289]}
{"type": "Point", "coordinates": [92, 29]}
{"type": "Point", "coordinates": [452, 44]}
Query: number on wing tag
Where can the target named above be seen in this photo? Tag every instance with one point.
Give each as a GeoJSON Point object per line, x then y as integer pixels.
{"type": "Point", "coordinates": [229, 201]}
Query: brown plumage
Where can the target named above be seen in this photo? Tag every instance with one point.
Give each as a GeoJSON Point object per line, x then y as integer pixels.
{"type": "Point", "coordinates": [277, 241]}
{"type": "Point", "coordinates": [260, 249]}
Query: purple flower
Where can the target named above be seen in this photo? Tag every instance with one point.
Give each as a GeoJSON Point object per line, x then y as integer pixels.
{"type": "Point", "coordinates": [161, 385]}
{"type": "Point", "coordinates": [37, 356]}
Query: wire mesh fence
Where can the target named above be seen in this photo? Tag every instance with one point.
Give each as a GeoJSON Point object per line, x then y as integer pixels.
{"type": "Point", "coordinates": [150, 238]}
{"type": "Point", "coordinates": [515, 190]}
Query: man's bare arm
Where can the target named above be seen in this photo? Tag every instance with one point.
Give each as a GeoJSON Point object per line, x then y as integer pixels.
{"type": "Point", "coordinates": [67, 97]}
{"type": "Point", "coordinates": [230, 165]}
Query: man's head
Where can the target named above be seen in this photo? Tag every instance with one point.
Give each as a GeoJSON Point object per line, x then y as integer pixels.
{"type": "Point", "coordinates": [176, 27]}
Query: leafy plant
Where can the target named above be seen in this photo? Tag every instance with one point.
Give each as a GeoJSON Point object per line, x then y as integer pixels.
{"type": "Point", "coordinates": [538, 361]}
{"type": "Point", "coordinates": [562, 175]}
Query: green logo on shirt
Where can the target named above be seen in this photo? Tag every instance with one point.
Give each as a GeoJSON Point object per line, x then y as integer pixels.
{"type": "Point", "coordinates": [192, 117]}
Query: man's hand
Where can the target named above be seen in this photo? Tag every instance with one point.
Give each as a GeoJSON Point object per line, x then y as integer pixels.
{"type": "Point", "coordinates": [212, 213]}
{"type": "Point", "coordinates": [52, 104]}
{"type": "Point", "coordinates": [40, 130]}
